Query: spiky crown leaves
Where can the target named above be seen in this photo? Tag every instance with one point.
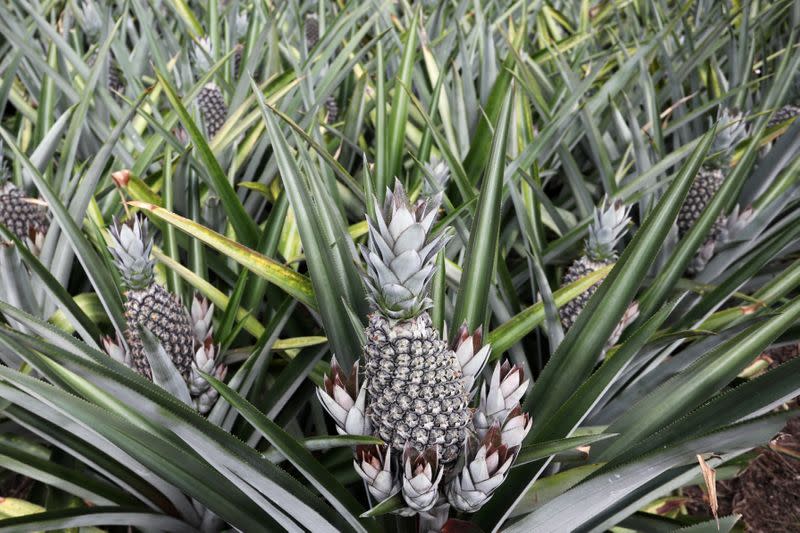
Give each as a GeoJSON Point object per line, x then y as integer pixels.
{"type": "Point", "coordinates": [203, 53]}
{"type": "Point", "coordinates": [130, 247]}
{"type": "Point", "coordinates": [401, 254]}
{"type": "Point", "coordinates": [731, 130]}
{"type": "Point", "coordinates": [92, 21]}
{"type": "Point", "coordinates": [609, 223]}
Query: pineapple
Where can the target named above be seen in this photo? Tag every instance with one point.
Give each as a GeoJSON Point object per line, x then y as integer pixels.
{"type": "Point", "coordinates": [783, 114]}
{"type": "Point", "coordinates": [709, 179]}
{"type": "Point", "coordinates": [25, 219]}
{"type": "Point", "coordinates": [210, 99]}
{"type": "Point", "coordinates": [312, 31]}
{"type": "Point", "coordinates": [415, 390]}
{"type": "Point", "coordinates": [331, 109]}
{"type": "Point", "coordinates": [607, 228]}
{"type": "Point", "coordinates": [212, 106]}
{"type": "Point", "coordinates": [148, 304]}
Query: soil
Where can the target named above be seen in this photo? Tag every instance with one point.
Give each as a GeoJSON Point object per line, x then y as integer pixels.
{"type": "Point", "coordinates": [16, 486]}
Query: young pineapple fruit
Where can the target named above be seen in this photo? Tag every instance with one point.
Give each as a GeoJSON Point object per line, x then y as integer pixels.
{"type": "Point", "coordinates": [210, 99]}
{"type": "Point", "coordinates": [148, 304]}
{"type": "Point", "coordinates": [439, 452]}
{"type": "Point", "coordinates": [415, 390]}
{"type": "Point", "coordinates": [311, 30]}
{"type": "Point", "coordinates": [23, 218]}
{"type": "Point", "coordinates": [608, 226]}
{"type": "Point", "coordinates": [791, 110]}
{"type": "Point", "coordinates": [731, 131]}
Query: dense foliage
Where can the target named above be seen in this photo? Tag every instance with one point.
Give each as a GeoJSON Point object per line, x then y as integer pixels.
{"type": "Point", "coordinates": [392, 266]}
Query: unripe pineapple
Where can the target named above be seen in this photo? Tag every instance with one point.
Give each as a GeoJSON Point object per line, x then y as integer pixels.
{"type": "Point", "coordinates": [312, 31]}
{"type": "Point", "coordinates": [331, 109]}
{"type": "Point", "coordinates": [148, 304]}
{"type": "Point", "coordinates": [210, 99]}
{"type": "Point", "coordinates": [783, 114]}
{"type": "Point", "coordinates": [731, 131]}
{"type": "Point", "coordinates": [607, 228]}
{"type": "Point", "coordinates": [212, 106]}
{"type": "Point", "coordinates": [25, 219]}
{"type": "Point", "coordinates": [415, 390]}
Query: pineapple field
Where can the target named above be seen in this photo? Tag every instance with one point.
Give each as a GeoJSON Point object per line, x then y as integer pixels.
{"type": "Point", "coordinates": [439, 266]}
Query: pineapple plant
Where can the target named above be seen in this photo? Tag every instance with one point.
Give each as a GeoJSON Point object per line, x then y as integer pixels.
{"type": "Point", "coordinates": [311, 32]}
{"type": "Point", "coordinates": [609, 224]}
{"type": "Point", "coordinates": [420, 360]}
{"type": "Point", "coordinates": [147, 303]}
{"type": "Point", "coordinates": [187, 337]}
{"type": "Point", "coordinates": [731, 131]}
{"type": "Point", "coordinates": [416, 389]}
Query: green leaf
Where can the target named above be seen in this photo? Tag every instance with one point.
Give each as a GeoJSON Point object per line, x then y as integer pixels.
{"type": "Point", "coordinates": [299, 456]}
{"type": "Point", "coordinates": [165, 374]}
{"type": "Point", "coordinates": [723, 525]}
{"type": "Point", "coordinates": [478, 273]}
{"type": "Point", "coordinates": [696, 383]}
{"type": "Point", "coordinates": [245, 228]}
{"type": "Point", "coordinates": [541, 450]}
{"type": "Point", "coordinates": [287, 279]}
{"type": "Point", "coordinates": [389, 505]}
{"type": "Point", "coordinates": [597, 502]}
{"type": "Point", "coordinates": [83, 517]}
{"type": "Point", "coordinates": [327, 246]}
{"type": "Point", "coordinates": [398, 118]}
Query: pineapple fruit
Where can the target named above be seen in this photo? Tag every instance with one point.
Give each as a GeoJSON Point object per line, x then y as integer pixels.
{"type": "Point", "coordinates": [148, 304]}
{"type": "Point", "coordinates": [413, 380]}
{"type": "Point", "coordinates": [311, 30]}
{"type": "Point", "coordinates": [609, 224]}
{"type": "Point", "coordinates": [213, 108]}
{"type": "Point", "coordinates": [210, 99]}
{"type": "Point", "coordinates": [439, 452]}
{"type": "Point", "coordinates": [24, 218]}
{"type": "Point", "coordinates": [732, 129]}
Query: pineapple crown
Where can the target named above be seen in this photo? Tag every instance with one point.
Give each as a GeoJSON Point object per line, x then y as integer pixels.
{"type": "Point", "coordinates": [731, 130]}
{"type": "Point", "coordinates": [130, 247]}
{"type": "Point", "coordinates": [203, 53]}
{"type": "Point", "coordinates": [609, 223]}
{"type": "Point", "coordinates": [401, 253]}
{"type": "Point", "coordinates": [92, 22]}
{"type": "Point", "coordinates": [437, 175]}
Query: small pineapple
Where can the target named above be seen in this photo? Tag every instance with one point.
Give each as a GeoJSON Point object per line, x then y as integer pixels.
{"type": "Point", "coordinates": [331, 109]}
{"type": "Point", "coordinates": [732, 129]}
{"type": "Point", "coordinates": [213, 107]}
{"type": "Point", "coordinates": [210, 99]}
{"type": "Point", "coordinates": [148, 304]}
{"type": "Point", "coordinates": [24, 218]}
{"type": "Point", "coordinates": [312, 31]}
{"type": "Point", "coordinates": [791, 110]}
{"type": "Point", "coordinates": [607, 228]}
{"type": "Point", "coordinates": [415, 389]}
{"type": "Point", "coordinates": [783, 114]}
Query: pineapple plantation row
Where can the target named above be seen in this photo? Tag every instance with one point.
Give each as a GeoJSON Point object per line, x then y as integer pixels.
{"type": "Point", "coordinates": [392, 266]}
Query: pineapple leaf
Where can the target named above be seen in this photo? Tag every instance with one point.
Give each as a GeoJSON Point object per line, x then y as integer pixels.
{"type": "Point", "coordinates": [482, 249]}
{"type": "Point", "coordinates": [301, 458]}
{"type": "Point", "coordinates": [287, 279]}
